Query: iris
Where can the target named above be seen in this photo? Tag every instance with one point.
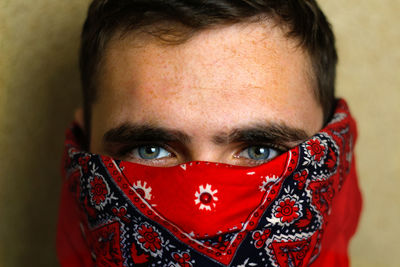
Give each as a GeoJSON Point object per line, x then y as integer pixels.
{"type": "Point", "coordinates": [151, 152]}
{"type": "Point", "coordinates": [259, 153]}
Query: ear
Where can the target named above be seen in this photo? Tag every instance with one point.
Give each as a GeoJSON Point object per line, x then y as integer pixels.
{"type": "Point", "coordinates": [78, 117]}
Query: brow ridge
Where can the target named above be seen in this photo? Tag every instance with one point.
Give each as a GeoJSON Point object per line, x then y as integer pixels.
{"type": "Point", "coordinates": [271, 132]}
{"type": "Point", "coordinates": [128, 133]}
{"type": "Point", "coordinates": [132, 133]}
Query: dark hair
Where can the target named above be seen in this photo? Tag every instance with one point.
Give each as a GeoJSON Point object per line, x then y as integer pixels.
{"type": "Point", "coordinates": [303, 20]}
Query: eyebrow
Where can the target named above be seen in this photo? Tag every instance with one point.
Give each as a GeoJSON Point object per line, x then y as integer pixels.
{"type": "Point", "coordinates": [129, 133]}
{"type": "Point", "coordinates": [261, 133]}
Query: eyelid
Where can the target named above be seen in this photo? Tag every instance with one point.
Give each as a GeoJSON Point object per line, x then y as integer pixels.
{"type": "Point", "coordinates": [162, 162]}
{"type": "Point", "coordinates": [139, 152]}
{"type": "Point", "coordinates": [126, 150]}
{"type": "Point", "coordinates": [280, 147]}
{"type": "Point", "coordinates": [251, 162]}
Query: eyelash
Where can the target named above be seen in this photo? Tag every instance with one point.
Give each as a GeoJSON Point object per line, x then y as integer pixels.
{"type": "Point", "coordinates": [279, 148]}
{"type": "Point", "coordinates": [125, 151]}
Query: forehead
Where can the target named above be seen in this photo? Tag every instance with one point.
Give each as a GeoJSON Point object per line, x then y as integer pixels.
{"type": "Point", "coordinates": [261, 47]}
{"type": "Point", "coordinates": [241, 72]}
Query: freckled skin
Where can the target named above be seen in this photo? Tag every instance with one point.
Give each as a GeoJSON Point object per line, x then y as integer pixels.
{"type": "Point", "coordinates": [220, 79]}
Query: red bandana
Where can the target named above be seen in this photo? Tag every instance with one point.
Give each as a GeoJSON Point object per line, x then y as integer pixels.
{"type": "Point", "coordinates": [116, 213]}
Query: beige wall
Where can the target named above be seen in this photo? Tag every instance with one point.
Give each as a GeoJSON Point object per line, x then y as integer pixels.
{"type": "Point", "coordinates": [369, 77]}
{"type": "Point", "coordinates": [39, 88]}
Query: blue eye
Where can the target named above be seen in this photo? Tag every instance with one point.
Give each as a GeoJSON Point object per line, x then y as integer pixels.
{"type": "Point", "coordinates": [150, 152]}
{"type": "Point", "coordinates": [261, 153]}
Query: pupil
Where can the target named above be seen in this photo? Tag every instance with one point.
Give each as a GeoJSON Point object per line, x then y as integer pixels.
{"type": "Point", "coordinates": [149, 152]}
{"type": "Point", "coordinates": [258, 152]}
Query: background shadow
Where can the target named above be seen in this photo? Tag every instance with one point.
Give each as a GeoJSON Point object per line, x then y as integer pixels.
{"type": "Point", "coordinates": [39, 91]}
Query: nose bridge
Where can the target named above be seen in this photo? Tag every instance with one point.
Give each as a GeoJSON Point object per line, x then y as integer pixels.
{"type": "Point", "coordinates": [206, 150]}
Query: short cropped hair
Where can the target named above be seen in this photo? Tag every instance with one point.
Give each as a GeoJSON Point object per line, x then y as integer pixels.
{"type": "Point", "coordinates": [181, 19]}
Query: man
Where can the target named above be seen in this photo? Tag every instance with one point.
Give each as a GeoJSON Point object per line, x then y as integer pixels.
{"type": "Point", "coordinates": [184, 83]}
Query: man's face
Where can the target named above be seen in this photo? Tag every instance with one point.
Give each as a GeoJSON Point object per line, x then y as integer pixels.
{"type": "Point", "coordinates": [239, 95]}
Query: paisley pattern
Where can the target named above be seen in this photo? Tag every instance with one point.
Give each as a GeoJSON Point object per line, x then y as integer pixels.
{"type": "Point", "coordinates": [206, 214]}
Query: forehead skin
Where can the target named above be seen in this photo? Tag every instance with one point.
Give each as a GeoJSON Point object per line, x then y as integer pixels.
{"type": "Point", "coordinates": [217, 80]}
